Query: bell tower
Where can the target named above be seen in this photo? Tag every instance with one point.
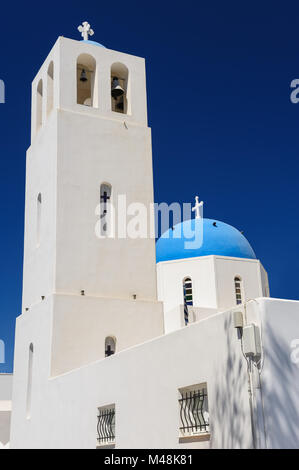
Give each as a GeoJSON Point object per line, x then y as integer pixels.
{"type": "Point", "coordinates": [90, 148]}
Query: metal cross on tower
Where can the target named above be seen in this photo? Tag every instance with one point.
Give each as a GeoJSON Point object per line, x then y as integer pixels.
{"type": "Point", "coordinates": [85, 30]}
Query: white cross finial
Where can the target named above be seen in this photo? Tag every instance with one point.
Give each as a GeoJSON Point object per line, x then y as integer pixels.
{"type": "Point", "coordinates": [85, 30]}
{"type": "Point", "coordinates": [197, 207]}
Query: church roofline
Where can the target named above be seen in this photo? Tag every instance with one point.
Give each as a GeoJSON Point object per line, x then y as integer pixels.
{"type": "Point", "coordinates": [233, 258]}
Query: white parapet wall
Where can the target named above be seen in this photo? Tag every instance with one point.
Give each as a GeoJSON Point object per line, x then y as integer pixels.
{"type": "Point", "coordinates": [277, 392]}
{"type": "Point", "coordinates": [143, 384]}
{"type": "Point", "coordinates": [5, 408]}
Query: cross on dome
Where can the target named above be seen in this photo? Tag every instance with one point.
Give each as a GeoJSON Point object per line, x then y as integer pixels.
{"type": "Point", "coordinates": [85, 30]}
{"type": "Point", "coordinates": [197, 207]}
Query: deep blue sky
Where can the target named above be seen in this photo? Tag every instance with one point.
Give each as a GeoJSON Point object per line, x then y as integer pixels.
{"type": "Point", "coordinates": [218, 77]}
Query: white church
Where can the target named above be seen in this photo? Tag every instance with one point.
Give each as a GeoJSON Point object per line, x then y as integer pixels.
{"type": "Point", "coordinates": [123, 342]}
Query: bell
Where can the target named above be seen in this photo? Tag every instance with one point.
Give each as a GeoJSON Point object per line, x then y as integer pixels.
{"type": "Point", "coordinates": [83, 77]}
{"type": "Point", "coordinates": [116, 89]}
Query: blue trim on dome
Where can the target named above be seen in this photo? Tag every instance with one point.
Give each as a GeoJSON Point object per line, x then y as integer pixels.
{"type": "Point", "coordinates": [94, 43]}
{"type": "Point", "coordinates": [221, 240]}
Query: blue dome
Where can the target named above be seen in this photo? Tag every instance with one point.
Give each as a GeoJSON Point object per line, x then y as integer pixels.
{"type": "Point", "coordinates": [218, 239]}
{"type": "Point", "coordinates": [94, 43]}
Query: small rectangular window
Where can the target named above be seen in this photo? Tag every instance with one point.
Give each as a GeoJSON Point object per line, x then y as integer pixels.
{"type": "Point", "coordinates": [194, 411]}
{"type": "Point", "coordinates": [106, 426]}
{"type": "Point", "coordinates": [238, 290]}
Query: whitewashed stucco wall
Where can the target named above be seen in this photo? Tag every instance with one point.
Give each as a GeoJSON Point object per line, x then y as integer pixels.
{"type": "Point", "coordinates": [143, 383]}
{"type": "Point", "coordinates": [278, 399]}
{"type": "Point", "coordinates": [212, 284]}
{"type": "Point", "coordinates": [5, 407]}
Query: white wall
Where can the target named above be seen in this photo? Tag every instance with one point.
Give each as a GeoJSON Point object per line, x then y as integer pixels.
{"type": "Point", "coordinates": [170, 275]}
{"type": "Point", "coordinates": [5, 407]}
{"type": "Point", "coordinates": [278, 397]}
{"type": "Point", "coordinates": [76, 150]}
{"type": "Point", "coordinates": [212, 283]}
{"type": "Point", "coordinates": [265, 282]}
{"type": "Point", "coordinates": [81, 324]}
{"type": "Point", "coordinates": [92, 150]}
{"type": "Point", "coordinates": [64, 55]}
{"type": "Point", "coordinates": [226, 269]}
{"type": "Point", "coordinates": [69, 50]}
{"type": "Point", "coordinates": [41, 177]}
{"type": "Point", "coordinates": [143, 383]}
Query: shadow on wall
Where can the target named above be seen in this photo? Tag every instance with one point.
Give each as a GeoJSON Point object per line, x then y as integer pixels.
{"type": "Point", "coordinates": [280, 387]}
{"type": "Point", "coordinates": [231, 421]}
{"type": "Point", "coordinates": [230, 424]}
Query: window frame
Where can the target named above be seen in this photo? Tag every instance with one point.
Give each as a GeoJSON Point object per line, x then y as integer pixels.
{"type": "Point", "coordinates": [188, 280]}
{"type": "Point", "coordinates": [194, 418]}
{"type": "Point", "coordinates": [238, 289]}
{"type": "Point", "coordinates": [106, 426]}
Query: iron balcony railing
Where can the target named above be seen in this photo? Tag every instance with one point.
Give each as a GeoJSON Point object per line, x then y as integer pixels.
{"type": "Point", "coordinates": [106, 426]}
{"type": "Point", "coordinates": [194, 416]}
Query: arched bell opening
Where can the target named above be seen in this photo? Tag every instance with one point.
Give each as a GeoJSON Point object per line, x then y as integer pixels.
{"type": "Point", "coordinates": [120, 88]}
{"type": "Point", "coordinates": [87, 81]}
{"type": "Point", "coordinates": [39, 105]}
{"type": "Point", "coordinates": [50, 88]}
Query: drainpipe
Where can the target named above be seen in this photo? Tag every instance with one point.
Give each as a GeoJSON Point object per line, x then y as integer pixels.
{"type": "Point", "coordinates": [251, 402]}
{"type": "Point", "coordinates": [250, 340]}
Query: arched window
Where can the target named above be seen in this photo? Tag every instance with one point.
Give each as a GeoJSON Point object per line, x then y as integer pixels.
{"type": "Point", "coordinates": [187, 290]}
{"type": "Point", "coordinates": [238, 290]}
{"type": "Point", "coordinates": [29, 383]}
{"type": "Point", "coordinates": [105, 209]}
{"type": "Point", "coordinates": [110, 346]}
{"type": "Point", "coordinates": [50, 87]}
{"type": "Point", "coordinates": [39, 105]}
{"type": "Point", "coordinates": [38, 218]}
{"type": "Point", "coordinates": [120, 99]}
{"type": "Point", "coordinates": [87, 93]}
